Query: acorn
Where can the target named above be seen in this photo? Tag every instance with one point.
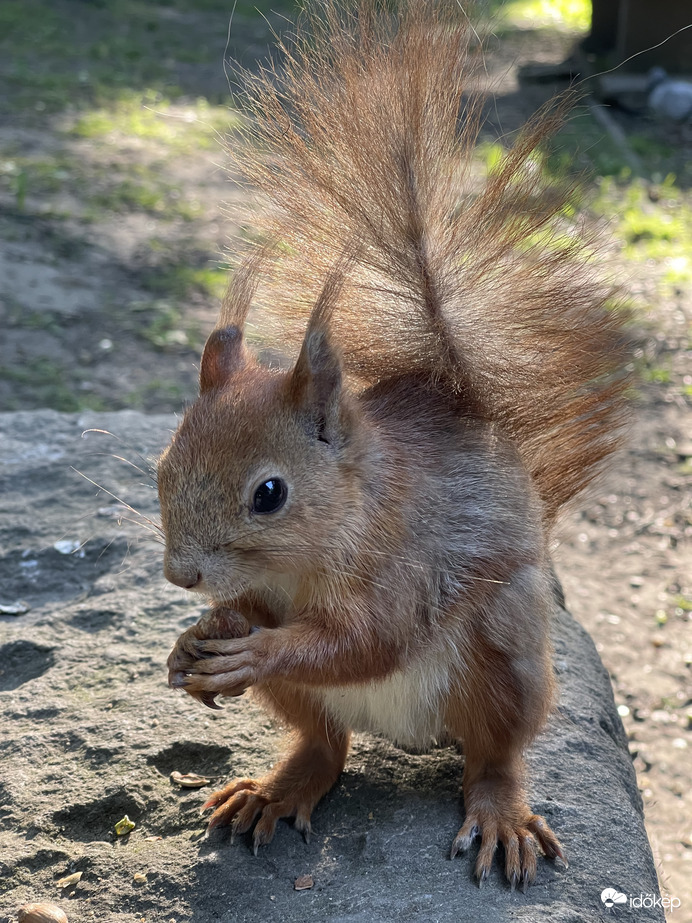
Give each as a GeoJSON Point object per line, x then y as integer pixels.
{"type": "Point", "coordinates": [41, 913]}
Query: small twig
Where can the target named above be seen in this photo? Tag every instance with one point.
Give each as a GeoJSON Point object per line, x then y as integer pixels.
{"type": "Point", "coordinates": [617, 135]}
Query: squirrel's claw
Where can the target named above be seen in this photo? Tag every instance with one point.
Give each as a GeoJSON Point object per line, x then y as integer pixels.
{"type": "Point", "coordinates": [463, 839]}
{"type": "Point", "coordinates": [180, 680]}
{"type": "Point", "coordinates": [519, 846]}
{"type": "Point", "coordinates": [177, 680]}
{"type": "Point", "coordinates": [209, 699]}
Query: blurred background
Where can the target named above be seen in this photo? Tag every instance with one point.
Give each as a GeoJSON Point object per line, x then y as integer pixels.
{"type": "Point", "coordinates": [113, 190]}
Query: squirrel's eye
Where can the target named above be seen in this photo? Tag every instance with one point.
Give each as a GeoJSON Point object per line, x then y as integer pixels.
{"type": "Point", "coordinates": [270, 496]}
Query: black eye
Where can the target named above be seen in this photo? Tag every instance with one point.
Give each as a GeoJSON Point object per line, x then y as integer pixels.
{"type": "Point", "coordinates": [270, 496]}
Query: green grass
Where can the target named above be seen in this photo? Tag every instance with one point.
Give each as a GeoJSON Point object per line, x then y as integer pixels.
{"type": "Point", "coordinates": [164, 327]}
{"type": "Point", "coordinates": [180, 279]}
{"type": "Point", "coordinates": [156, 393]}
{"type": "Point", "coordinates": [582, 146]}
{"type": "Point", "coordinates": [142, 189]}
{"type": "Point", "coordinates": [568, 15]}
{"type": "Point", "coordinates": [655, 223]}
{"type": "Point", "coordinates": [118, 188]}
{"type": "Point", "coordinates": [70, 53]}
{"type": "Point", "coordinates": [149, 116]}
{"type": "Point", "coordinates": [18, 315]}
{"type": "Point", "coordinates": [650, 213]}
{"type": "Point", "coordinates": [49, 383]}
{"type": "Point", "coordinates": [657, 374]}
{"type": "Point", "coordinates": [242, 8]}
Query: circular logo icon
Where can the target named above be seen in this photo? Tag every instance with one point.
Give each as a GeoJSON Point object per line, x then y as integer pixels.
{"type": "Point", "coordinates": [610, 896]}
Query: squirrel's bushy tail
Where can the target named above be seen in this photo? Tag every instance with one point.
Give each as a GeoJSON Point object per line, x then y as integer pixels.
{"type": "Point", "coordinates": [361, 143]}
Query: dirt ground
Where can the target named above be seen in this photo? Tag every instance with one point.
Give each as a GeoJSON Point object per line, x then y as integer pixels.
{"type": "Point", "coordinates": [114, 214]}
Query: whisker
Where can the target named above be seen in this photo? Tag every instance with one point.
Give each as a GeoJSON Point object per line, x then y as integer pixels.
{"type": "Point", "coordinates": [155, 532]}
{"type": "Point", "coordinates": [145, 461]}
{"type": "Point", "coordinates": [105, 548]}
{"type": "Point", "coordinates": [149, 474]}
{"type": "Point", "coordinates": [127, 506]}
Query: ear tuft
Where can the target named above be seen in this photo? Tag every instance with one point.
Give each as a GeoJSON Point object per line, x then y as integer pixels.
{"type": "Point", "coordinates": [316, 381]}
{"type": "Point", "coordinates": [316, 384]}
{"type": "Point", "coordinates": [224, 354]}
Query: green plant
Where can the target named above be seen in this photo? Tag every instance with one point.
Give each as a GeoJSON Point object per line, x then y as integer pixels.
{"type": "Point", "coordinates": [572, 15]}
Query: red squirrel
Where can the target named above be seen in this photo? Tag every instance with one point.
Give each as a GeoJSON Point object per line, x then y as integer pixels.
{"type": "Point", "coordinates": [371, 525]}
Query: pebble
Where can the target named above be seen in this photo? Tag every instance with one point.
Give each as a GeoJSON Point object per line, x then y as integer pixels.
{"type": "Point", "coordinates": [636, 581]}
{"type": "Point", "coordinates": [17, 608]}
{"type": "Point", "coordinates": [69, 880]}
{"type": "Point", "coordinates": [69, 546]}
{"type": "Point", "coordinates": [304, 883]}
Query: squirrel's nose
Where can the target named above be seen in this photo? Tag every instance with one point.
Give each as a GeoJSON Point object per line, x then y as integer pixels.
{"type": "Point", "coordinates": [181, 576]}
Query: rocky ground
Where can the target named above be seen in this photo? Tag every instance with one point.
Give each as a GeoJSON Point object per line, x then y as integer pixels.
{"type": "Point", "coordinates": [112, 231]}
{"type": "Point", "coordinates": [92, 736]}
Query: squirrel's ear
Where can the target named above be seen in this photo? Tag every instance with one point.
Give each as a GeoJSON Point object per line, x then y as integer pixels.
{"type": "Point", "coordinates": [316, 381]}
{"type": "Point", "coordinates": [225, 351]}
{"type": "Point", "coordinates": [223, 354]}
{"type": "Point", "coordinates": [316, 384]}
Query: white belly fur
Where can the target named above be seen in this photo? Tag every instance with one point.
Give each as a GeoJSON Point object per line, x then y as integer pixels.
{"type": "Point", "coordinates": [405, 707]}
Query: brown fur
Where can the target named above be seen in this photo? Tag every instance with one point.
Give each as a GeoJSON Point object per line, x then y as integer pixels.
{"type": "Point", "coordinates": [459, 378]}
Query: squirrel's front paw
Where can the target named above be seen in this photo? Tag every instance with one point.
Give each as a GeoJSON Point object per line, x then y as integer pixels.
{"type": "Point", "coordinates": [224, 667]}
{"type": "Point", "coordinates": [518, 839]}
{"type": "Point", "coordinates": [218, 623]}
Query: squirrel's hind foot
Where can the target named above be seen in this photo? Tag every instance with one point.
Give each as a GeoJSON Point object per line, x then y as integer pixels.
{"type": "Point", "coordinates": [245, 801]}
{"type": "Point", "coordinates": [518, 839]}
{"type": "Point", "coordinates": [291, 790]}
